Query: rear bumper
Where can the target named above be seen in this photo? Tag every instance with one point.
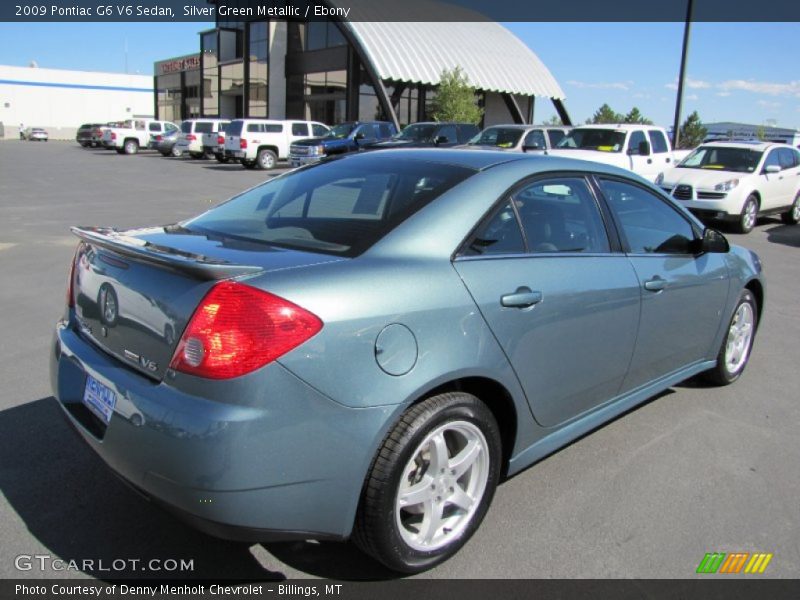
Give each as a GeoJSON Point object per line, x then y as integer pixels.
{"type": "Point", "coordinates": [262, 457]}
{"type": "Point", "coordinates": [235, 154]}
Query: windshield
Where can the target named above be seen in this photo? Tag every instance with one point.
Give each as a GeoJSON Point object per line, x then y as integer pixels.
{"type": "Point", "coordinates": [340, 208]}
{"type": "Point", "coordinates": [417, 133]}
{"type": "Point", "coordinates": [499, 137]}
{"type": "Point", "coordinates": [340, 131]}
{"type": "Point", "coordinates": [604, 140]}
{"type": "Point", "coordinates": [740, 160]}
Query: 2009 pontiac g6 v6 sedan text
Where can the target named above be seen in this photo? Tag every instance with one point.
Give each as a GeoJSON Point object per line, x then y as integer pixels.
{"type": "Point", "coordinates": [365, 347]}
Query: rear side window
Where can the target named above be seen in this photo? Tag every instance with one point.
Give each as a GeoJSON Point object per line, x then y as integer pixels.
{"type": "Point", "coordinates": [449, 132]}
{"type": "Point", "coordinates": [499, 234]}
{"type": "Point", "coordinates": [170, 127]}
{"type": "Point", "coordinates": [658, 141]}
{"type": "Point", "coordinates": [254, 127]}
{"type": "Point", "coordinates": [339, 208]}
{"type": "Point", "coordinates": [272, 128]}
{"type": "Point", "coordinates": [203, 127]}
{"type": "Point", "coordinates": [155, 127]}
{"type": "Point", "coordinates": [649, 224]}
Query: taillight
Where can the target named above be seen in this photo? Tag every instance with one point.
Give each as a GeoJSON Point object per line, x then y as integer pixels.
{"type": "Point", "coordinates": [242, 143]}
{"type": "Point", "coordinates": [71, 279]}
{"type": "Point", "coordinates": [159, 138]}
{"type": "Point", "coordinates": [238, 329]}
{"type": "Point", "coordinates": [191, 137]}
{"type": "Point", "coordinates": [113, 135]}
{"type": "Point", "coordinates": [220, 140]}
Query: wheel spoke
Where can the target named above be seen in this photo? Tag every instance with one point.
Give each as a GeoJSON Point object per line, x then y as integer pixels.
{"type": "Point", "coordinates": [431, 521]}
{"type": "Point", "coordinates": [462, 461]}
{"type": "Point", "coordinates": [418, 493]}
{"type": "Point", "coordinates": [439, 454]}
{"type": "Point", "coordinates": [460, 498]}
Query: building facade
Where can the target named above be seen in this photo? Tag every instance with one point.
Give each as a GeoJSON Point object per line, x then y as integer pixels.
{"type": "Point", "coordinates": [356, 69]}
{"type": "Point", "coordinates": [61, 100]}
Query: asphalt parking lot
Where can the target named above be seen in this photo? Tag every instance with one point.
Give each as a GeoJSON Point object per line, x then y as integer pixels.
{"type": "Point", "coordinates": [696, 470]}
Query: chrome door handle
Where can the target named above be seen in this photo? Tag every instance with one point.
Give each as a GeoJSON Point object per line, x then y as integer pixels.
{"type": "Point", "coordinates": [522, 298]}
{"type": "Point", "coordinates": [656, 284]}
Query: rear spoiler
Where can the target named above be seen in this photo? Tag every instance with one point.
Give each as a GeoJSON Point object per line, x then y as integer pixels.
{"type": "Point", "coordinates": [137, 249]}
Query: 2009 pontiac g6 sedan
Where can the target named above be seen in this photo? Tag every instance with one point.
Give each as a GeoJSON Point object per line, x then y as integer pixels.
{"type": "Point", "coordinates": [365, 347]}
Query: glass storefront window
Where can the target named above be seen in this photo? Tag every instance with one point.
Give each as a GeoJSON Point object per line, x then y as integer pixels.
{"type": "Point", "coordinates": [231, 101]}
{"type": "Point", "coordinates": [259, 70]}
{"type": "Point", "coordinates": [317, 96]}
{"type": "Point", "coordinates": [169, 97]}
{"type": "Point", "coordinates": [210, 74]}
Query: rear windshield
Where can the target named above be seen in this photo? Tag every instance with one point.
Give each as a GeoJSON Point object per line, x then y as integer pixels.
{"type": "Point", "coordinates": [234, 128]}
{"type": "Point", "coordinates": [186, 127]}
{"type": "Point", "coordinates": [340, 207]}
{"type": "Point", "coordinates": [203, 127]}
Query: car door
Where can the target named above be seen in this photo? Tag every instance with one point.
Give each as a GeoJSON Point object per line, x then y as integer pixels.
{"type": "Point", "coordinates": [642, 164]}
{"type": "Point", "coordinates": [772, 185]}
{"type": "Point", "coordinates": [683, 293]}
{"type": "Point", "coordinates": [789, 177]}
{"type": "Point", "coordinates": [662, 157]}
{"type": "Point", "coordinates": [366, 134]}
{"type": "Point", "coordinates": [559, 297]}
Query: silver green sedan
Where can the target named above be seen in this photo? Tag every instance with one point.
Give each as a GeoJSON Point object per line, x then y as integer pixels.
{"type": "Point", "coordinates": [366, 347]}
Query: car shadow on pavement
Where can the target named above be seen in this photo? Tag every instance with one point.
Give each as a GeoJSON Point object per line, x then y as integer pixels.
{"type": "Point", "coordinates": [788, 235]}
{"type": "Point", "coordinates": [79, 511]}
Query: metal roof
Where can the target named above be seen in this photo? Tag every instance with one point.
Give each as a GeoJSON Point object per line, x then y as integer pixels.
{"type": "Point", "coordinates": [418, 51]}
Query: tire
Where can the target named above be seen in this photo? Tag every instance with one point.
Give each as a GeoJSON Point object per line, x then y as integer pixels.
{"type": "Point", "coordinates": [164, 154]}
{"type": "Point", "coordinates": [734, 353]}
{"type": "Point", "coordinates": [749, 215]}
{"type": "Point", "coordinates": [792, 216]}
{"type": "Point", "coordinates": [176, 152]}
{"type": "Point", "coordinates": [196, 155]}
{"type": "Point", "coordinates": [266, 159]}
{"type": "Point", "coordinates": [395, 533]}
{"type": "Point", "coordinates": [249, 164]}
{"type": "Point", "coordinates": [221, 159]}
{"type": "Point", "coordinates": [130, 147]}
{"type": "Point", "coordinates": [120, 150]}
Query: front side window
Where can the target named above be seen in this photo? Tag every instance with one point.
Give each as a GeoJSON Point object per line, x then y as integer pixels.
{"type": "Point", "coordinates": [449, 132]}
{"type": "Point", "coordinates": [555, 135]}
{"type": "Point", "coordinates": [499, 137]}
{"type": "Point", "coordinates": [786, 156]}
{"type": "Point", "coordinates": [332, 208]}
{"type": "Point", "coordinates": [603, 140]}
{"type": "Point", "coordinates": [637, 137]}
{"type": "Point", "coordinates": [561, 215]}
{"type": "Point", "coordinates": [649, 224]}
{"type": "Point", "coordinates": [657, 141]}
{"type": "Point", "coordinates": [535, 139]}
{"type": "Point", "coordinates": [772, 160]}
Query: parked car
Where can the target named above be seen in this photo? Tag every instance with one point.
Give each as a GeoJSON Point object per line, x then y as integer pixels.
{"type": "Point", "coordinates": [166, 143]}
{"type": "Point", "coordinates": [214, 142]}
{"type": "Point", "coordinates": [643, 149]}
{"type": "Point", "coordinates": [36, 134]}
{"type": "Point", "coordinates": [738, 181]}
{"type": "Point", "coordinates": [84, 134]}
{"type": "Point", "coordinates": [190, 138]}
{"type": "Point", "coordinates": [429, 134]}
{"type": "Point", "coordinates": [135, 134]}
{"type": "Point", "coordinates": [344, 138]}
{"type": "Point", "coordinates": [518, 138]}
{"type": "Point", "coordinates": [261, 143]}
{"type": "Point", "coordinates": [395, 331]}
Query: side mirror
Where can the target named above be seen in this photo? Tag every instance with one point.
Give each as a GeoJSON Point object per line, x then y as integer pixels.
{"type": "Point", "coordinates": [772, 169]}
{"type": "Point", "coordinates": [531, 147]}
{"type": "Point", "coordinates": [713, 242]}
{"type": "Point", "coordinates": [440, 139]}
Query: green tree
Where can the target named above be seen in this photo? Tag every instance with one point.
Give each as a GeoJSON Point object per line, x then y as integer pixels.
{"type": "Point", "coordinates": [761, 133]}
{"type": "Point", "coordinates": [553, 120]}
{"type": "Point", "coordinates": [455, 99]}
{"type": "Point", "coordinates": [692, 132]}
{"type": "Point", "coordinates": [637, 117]}
{"type": "Point", "coordinates": [605, 114]}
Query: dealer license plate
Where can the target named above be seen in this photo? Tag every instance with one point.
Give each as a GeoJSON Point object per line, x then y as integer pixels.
{"type": "Point", "coordinates": [99, 398]}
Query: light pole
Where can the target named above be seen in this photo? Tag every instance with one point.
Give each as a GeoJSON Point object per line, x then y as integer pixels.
{"type": "Point", "coordinates": [682, 75]}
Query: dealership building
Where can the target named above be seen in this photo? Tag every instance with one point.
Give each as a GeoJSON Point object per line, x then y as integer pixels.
{"type": "Point", "coordinates": [60, 101]}
{"type": "Point", "coordinates": [369, 65]}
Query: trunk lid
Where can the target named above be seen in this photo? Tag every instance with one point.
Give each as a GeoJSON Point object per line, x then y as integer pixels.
{"type": "Point", "coordinates": [135, 291]}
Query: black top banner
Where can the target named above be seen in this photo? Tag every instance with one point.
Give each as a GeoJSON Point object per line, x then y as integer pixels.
{"type": "Point", "coordinates": [405, 10]}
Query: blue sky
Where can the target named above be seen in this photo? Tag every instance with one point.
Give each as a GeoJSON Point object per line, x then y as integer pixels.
{"type": "Point", "coordinates": [745, 72]}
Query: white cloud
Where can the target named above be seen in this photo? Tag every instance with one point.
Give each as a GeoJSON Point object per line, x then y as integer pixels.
{"type": "Point", "coordinates": [769, 88]}
{"type": "Point", "coordinates": [723, 94]}
{"type": "Point", "coordinates": [602, 85]}
{"type": "Point", "coordinates": [641, 95]}
{"type": "Point", "coordinates": [692, 84]}
{"type": "Point", "coordinates": [769, 104]}
{"type": "Point", "coordinates": [692, 97]}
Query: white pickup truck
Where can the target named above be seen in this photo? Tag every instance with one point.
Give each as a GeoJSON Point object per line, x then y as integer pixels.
{"type": "Point", "coordinates": [643, 149]}
{"type": "Point", "coordinates": [135, 134]}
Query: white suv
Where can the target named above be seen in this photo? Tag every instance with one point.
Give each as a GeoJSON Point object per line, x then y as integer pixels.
{"type": "Point", "coordinates": [190, 139]}
{"type": "Point", "coordinates": [260, 143]}
{"type": "Point", "coordinates": [737, 182]}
